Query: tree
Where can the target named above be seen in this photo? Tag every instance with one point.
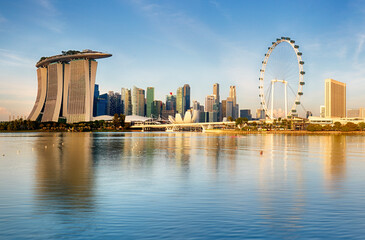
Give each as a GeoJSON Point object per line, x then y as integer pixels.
{"type": "Point", "coordinates": [361, 126]}
{"type": "Point", "coordinates": [337, 126]}
{"type": "Point", "coordinates": [239, 122]}
{"type": "Point", "coordinates": [230, 118]}
{"type": "Point", "coordinates": [116, 121]}
{"type": "Point", "coordinates": [122, 120]}
{"type": "Point", "coordinates": [350, 127]}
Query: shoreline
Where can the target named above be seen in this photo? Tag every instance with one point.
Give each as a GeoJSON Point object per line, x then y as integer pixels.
{"type": "Point", "coordinates": [215, 131]}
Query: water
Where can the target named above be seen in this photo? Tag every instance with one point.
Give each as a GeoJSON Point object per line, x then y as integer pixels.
{"type": "Point", "coordinates": [181, 186]}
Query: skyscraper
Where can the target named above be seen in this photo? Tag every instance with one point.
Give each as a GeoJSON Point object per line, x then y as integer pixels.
{"type": "Point", "coordinates": [209, 103]}
{"type": "Point", "coordinates": [232, 94]}
{"type": "Point", "coordinates": [216, 91]}
{"type": "Point", "coordinates": [96, 95]}
{"type": "Point", "coordinates": [180, 103]}
{"type": "Point", "coordinates": [138, 101]}
{"type": "Point", "coordinates": [149, 100]}
{"type": "Point", "coordinates": [127, 101]}
{"type": "Point", "coordinates": [186, 97]}
{"type": "Point", "coordinates": [66, 87]}
{"type": "Point", "coordinates": [171, 102]}
{"type": "Point", "coordinates": [335, 99]}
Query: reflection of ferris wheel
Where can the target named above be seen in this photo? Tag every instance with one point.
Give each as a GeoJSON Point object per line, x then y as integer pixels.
{"type": "Point", "coordinates": [281, 74]}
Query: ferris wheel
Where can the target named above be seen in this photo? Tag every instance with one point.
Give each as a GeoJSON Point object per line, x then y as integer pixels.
{"type": "Point", "coordinates": [281, 79]}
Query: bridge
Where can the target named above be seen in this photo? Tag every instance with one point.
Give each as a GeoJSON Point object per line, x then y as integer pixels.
{"type": "Point", "coordinates": [175, 127]}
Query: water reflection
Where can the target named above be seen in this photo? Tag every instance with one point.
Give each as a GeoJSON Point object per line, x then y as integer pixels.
{"type": "Point", "coordinates": [63, 170]}
{"type": "Point", "coordinates": [334, 149]}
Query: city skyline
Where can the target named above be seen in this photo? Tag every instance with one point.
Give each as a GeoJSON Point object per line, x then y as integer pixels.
{"type": "Point", "coordinates": [168, 44]}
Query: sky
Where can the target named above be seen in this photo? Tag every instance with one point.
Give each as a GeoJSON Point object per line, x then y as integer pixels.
{"type": "Point", "coordinates": [166, 44]}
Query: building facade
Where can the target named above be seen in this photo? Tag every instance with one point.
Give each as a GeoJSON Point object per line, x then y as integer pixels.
{"type": "Point", "coordinates": [138, 101]}
{"type": "Point", "coordinates": [66, 87]}
{"type": "Point", "coordinates": [149, 100]}
{"type": "Point", "coordinates": [335, 99]}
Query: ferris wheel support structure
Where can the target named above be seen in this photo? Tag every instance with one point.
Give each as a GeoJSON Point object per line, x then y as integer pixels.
{"type": "Point", "coordinates": [299, 93]}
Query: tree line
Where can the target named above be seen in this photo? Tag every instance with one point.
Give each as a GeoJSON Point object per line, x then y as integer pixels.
{"type": "Point", "coordinates": [118, 123]}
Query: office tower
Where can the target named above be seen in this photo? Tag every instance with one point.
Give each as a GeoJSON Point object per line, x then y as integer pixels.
{"type": "Point", "coordinates": [322, 111]}
{"type": "Point", "coordinates": [156, 109]}
{"type": "Point", "coordinates": [216, 91]}
{"type": "Point", "coordinates": [96, 95]}
{"type": "Point", "coordinates": [232, 94]}
{"type": "Point", "coordinates": [229, 108]}
{"type": "Point", "coordinates": [224, 108]}
{"type": "Point", "coordinates": [102, 105]}
{"type": "Point", "coordinates": [186, 97]}
{"type": "Point", "coordinates": [138, 101]}
{"type": "Point", "coordinates": [201, 108]}
{"type": "Point", "coordinates": [66, 87]}
{"type": "Point", "coordinates": [196, 105]}
{"type": "Point", "coordinates": [149, 100]}
{"type": "Point", "coordinates": [180, 103]}
{"type": "Point", "coordinates": [171, 102]}
{"type": "Point", "coordinates": [335, 99]}
{"type": "Point", "coordinates": [246, 113]}
{"type": "Point", "coordinates": [209, 103]}
{"type": "Point", "coordinates": [260, 114]}
{"type": "Point", "coordinates": [126, 97]}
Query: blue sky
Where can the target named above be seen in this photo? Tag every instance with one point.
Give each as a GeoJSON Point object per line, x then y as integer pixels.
{"type": "Point", "coordinates": [166, 44]}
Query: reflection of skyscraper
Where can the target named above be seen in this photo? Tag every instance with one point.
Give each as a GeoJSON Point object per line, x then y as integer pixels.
{"type": "Point", "coordinates": [63, 170]}
{"type": "Point", "coordinates": [335, 157]}
{"type": "Point", "coordinates": [66, 87]}
{"type": "Point", "coordinates": [335, 99]}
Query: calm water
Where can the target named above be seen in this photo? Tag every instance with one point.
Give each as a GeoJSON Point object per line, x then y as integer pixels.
{"type": "Point", "coordinates": [181, 186]}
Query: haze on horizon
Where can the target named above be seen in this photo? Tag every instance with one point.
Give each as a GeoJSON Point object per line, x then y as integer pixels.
{"type": "Point", "coordinates": [165, 44]}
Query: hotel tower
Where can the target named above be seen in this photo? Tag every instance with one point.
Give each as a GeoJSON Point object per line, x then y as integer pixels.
{"type": "Point", "coordinates": [66, 87]}
{"type": "Point", "coordinates": [335, 99]}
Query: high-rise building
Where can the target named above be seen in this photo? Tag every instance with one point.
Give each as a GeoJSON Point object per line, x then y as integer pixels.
{"type": "Point", "coordinates": [322, 111]}
{"type": "Point", "coordinates": [229, 108]}
{"type": "Point", "coordinates": [335, 99]}
{"type": "Point", "coordinates": [66, 87]}
{"type": "Point", "coordinates": [260, 114]}
{"type": "Point", "coordinates": [224, 108]}
{"type": "Point", "coordinates": [186, 97]}
{"type": "Point", "coordinates": [149, 100]}
{"type": "Point", "coordinates": [114, 104]}
{"type": "Point", "coordinates": [126, 101]}
{"type": "Point", "coordinates": [232, 94]}
{"type": "Point", "coordinates": [246, 113]}
{"type": "Point", "coordinates": [171, 102]}
{"type": "Point", "coordinates": [138, 101]}
{"type": "Point", "coordinates": [96, 95]}
{"type": "Point", "coordinates": [180, 103]}
{"type": "Point", "coordinates": [102, 105]}
{"type": "Point", "coordinates": [156, 109]}
{"type": "Point", "coordinates": [209, 103]}
{"type": "Point", "coordinates": [216, 91]}
{"type": "Point", "coordinates": [196, 105]}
